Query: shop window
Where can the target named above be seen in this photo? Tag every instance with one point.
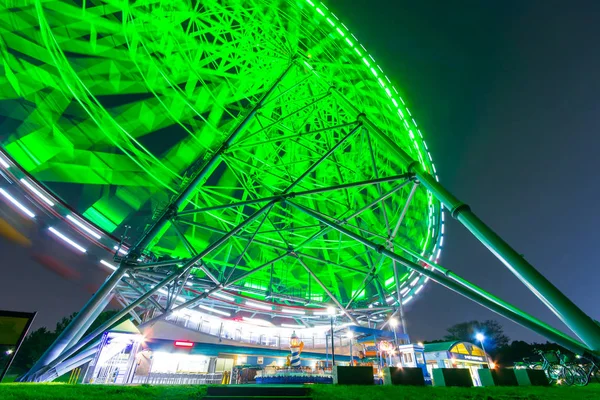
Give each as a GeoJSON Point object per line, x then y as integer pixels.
{"type": "Point", "coordinates": [460, 349]}
{"type": "Point", "coordinates": [420, 358]}
{"type": "Point", "coordinates": [177, 363]}
{"type": "Point", "coordinates": [224, 364]}
{"type": "Point", "coordinates": [477, 352]}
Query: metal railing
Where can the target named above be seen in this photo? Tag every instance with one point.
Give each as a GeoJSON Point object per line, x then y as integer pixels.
{"type": "Point", "coordinates": [256, 339]}
{"type": "Point", "coordinates": [178, 379]}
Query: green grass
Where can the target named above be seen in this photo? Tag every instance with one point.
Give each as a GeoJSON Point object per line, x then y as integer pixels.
{"type": "Point", "coordinates": [61, 391]}
{"type": "Point", "coordinates": [330, 392]}
{"type": "Point", "coordinates": [32, 391]}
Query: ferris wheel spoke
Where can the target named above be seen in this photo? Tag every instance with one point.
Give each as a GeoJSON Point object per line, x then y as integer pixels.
{"type": "Point", "coordinates": [139, 289]}
{"type": "Point", "coordinates": [326, 290]}
{"type": "Point", "coordinates": [123, 302]}
{"type": "Point", "coordinates": [241, 256]}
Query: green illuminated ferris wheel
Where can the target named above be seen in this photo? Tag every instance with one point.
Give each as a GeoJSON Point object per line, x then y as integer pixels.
{"type": "Point", "coordinates": [245, 157]}
{"type": "Point", "coordinates": [120, 108]}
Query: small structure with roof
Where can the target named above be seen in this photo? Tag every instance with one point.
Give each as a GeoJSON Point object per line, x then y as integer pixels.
{"type": "Point", "coordinates": [456, 354]}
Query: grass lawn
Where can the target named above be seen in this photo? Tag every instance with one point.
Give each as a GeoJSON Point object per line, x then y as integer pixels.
{"type": "Point", "coordinates": [330, 392]}
{"type": "Point", "coordinates": [14, 391]}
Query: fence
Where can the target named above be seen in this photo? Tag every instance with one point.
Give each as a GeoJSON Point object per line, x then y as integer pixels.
{"type": "Point", "coordinates": [247, 336]}
{"type": "Point", "coordinates": [178, 379]}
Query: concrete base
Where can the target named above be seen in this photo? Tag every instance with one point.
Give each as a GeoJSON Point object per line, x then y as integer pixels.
{"type": "Point", "coordinates": [531, 377]}
{"type": "Point", "coordinates": [403, 376]}
{"type": "Point", "coordinates": [452, 377]}
{"type": "Point", "coordinates": [497, 377]}
{"type": "Point", "coordinates": [353, 375]}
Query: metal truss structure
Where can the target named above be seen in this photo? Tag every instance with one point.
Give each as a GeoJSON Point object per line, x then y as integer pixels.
{"type": "Point", "coordinates": [252, 155]}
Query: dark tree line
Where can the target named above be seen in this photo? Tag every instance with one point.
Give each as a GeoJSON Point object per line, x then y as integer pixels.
{"type": "Point", "coordinates": [499, 346]}
{"type": "Point", "coordinates": [39, 340]}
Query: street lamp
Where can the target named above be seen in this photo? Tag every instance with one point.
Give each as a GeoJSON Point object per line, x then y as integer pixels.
{"type": "Point", "coordinates": [331, 312]}
{"type": "Point", "coordinates": [394, 323]}
{"type": "Point", "coordinates": [479, 336]}
{"type": "Point", "coordinates": [350, 337]}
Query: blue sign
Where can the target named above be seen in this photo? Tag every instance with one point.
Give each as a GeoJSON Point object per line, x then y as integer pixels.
{"type": "Point", "coordinates": [468, 357]}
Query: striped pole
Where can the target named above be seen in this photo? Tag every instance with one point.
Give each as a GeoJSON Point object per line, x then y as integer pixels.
{"type": "Point", "coordinates": [295, 349]}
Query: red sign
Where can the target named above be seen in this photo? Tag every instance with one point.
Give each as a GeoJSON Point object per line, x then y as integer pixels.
{"type": "Point", "coordinates": [183, 343]}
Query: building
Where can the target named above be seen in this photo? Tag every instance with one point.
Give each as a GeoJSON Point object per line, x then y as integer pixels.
{"type": "Point", "coordinates": [197, 348]}
{"type": "Point", "coordinates": [457, 354]}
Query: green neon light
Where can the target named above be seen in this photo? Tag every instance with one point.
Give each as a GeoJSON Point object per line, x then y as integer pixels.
{"type": "Point", "coordinates": [116, 107]}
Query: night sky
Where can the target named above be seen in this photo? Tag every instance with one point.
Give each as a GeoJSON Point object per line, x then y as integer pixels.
{"type": "Point", "coordinates": [506, 94]}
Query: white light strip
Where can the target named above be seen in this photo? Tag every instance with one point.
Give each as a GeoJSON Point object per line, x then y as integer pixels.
{"type": "Point", "coordinates": [223, 296]}
{"type": "Point", "coordinates": [166, 293]}
{"type": "Point", "coordinates": [259, 305]}
{"type": "Point", "coordinates": [20, 206]}
{"type": "Point", "coordinates": [322, 313]}
{"type": "Point", "coordinates": [293, 311]}
{"type": "Point", "coordinates": [67, 240]}
{"type": "Point", "coordinates": [293, 326]}
{"type": "Point", "coordinates": [418, 290]}
{"type": "Point", "coordinates": [403, 291]}
{"type": "Point", "coordinates": [4, 163]}
{"type": "Point", "coordinates": [82, 226]}
{"type": "Point", "coordinates": [108, 265]}
{"type": "Point", "coordinates": [121, 250]}
{"type": "Point", "coordinates": [37, 193]}
{"type": "Point", "coordinates": [214, 310]}
{"type": "Point", "coordinates": [415, 281]}
{"type": "Point", "coordinates": [407, 299]}
{"type": "Point", "coordinates": [257, 321]}
{"type": "Point", "coordinates": [111, 266]}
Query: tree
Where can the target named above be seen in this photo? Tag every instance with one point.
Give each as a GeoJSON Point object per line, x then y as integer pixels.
{"type": "Point", "coordinates": [491, 329]}
{"type": "Point", "coordinates": [39, 340]}
{"type": "Point", "coordinates": [32, 349]}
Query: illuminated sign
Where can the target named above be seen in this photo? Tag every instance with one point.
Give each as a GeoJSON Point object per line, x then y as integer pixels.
{"type": "Point", "coordinates": [475, 358]}
{"type": "Point", "coordinates": [183, 343]}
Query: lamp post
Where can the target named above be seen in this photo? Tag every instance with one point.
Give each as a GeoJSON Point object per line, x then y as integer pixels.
{"type": "Point", "coordinates": [331, 312]}
{"type": "Point", "coordinates": [479, 336]}
{"type": "Point", "coordinates": [394, 323]}
{"type": "Point", "coordinates": [350, 337]}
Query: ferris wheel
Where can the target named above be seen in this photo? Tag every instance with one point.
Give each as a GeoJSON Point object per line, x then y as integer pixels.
{"type": "Point", "coordinates": [237, 157]}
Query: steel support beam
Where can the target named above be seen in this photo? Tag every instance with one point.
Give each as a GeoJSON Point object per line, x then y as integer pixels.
{"type": "Point", "coordinates": [247, 247]}
{"type": "Point", "coordinates": [516, 315]}
{"type": "Point", "coordinates": [193, 253]}
{"type": "Point", "coordinates": [79, 322]}
{"type": "Point", "coordinates": [91, 320]}
{"type": "Point", "coordinates": [198, 299]}
{"type": "Point", "coordinates": [331, 296]}
{"type": "Point", "coordinates": [297, 194]}
{"type": "Point", "coordinates": [391, 246]}
{"type": "Point", "coordinates": [123, 302]}
{"type": "Point", "coordinates": [253, 217]}
{"type": "Point", "coordinates": [106, 325]}
{"type": "Point", "coordinates": [470, 286]}
{"type": "Point", "coordinates": [139, 288]}
{"type": "Point", "coordinates": [151, 233]}
{"type": "Point", "coordinates": [568, 312]}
